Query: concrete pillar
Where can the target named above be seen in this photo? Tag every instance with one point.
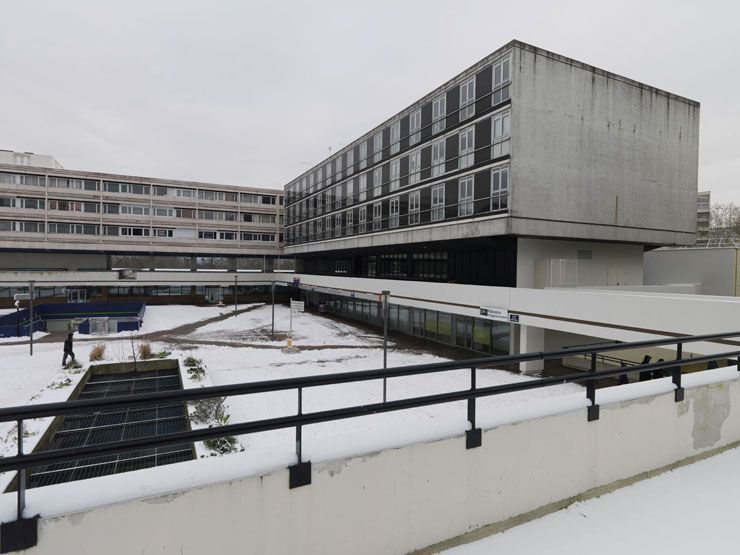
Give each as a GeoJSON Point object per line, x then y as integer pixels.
{"type": "Point", "coordinates": [531, 339]}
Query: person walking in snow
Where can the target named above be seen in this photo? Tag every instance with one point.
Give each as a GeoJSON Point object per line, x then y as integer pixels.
{"type": "Point", "coordinates": [68, 350]}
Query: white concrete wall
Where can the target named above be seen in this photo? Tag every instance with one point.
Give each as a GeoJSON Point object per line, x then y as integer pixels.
{"type": "Point", "coordinates": [399, 500]}
{"type": "Point", "coordinates": [614, 315]}
{"type": "Point", "coordinates": [599, 156]}
{"type": "Point", "coordinates": [714, 269]}
{"type": "Point", "coordinates": [605, 256]}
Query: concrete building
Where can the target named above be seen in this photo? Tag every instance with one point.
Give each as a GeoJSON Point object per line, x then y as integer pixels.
{"type": "Point", "coordinates": [29, 159]}
{"type": "Point", "coordinates": [528, 169]}
{"type": "Point", "coordinates": [54, 219]}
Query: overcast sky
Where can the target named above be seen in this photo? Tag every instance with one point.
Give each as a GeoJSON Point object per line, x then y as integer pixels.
{"type": "Point", "coordinates": [249, 92]}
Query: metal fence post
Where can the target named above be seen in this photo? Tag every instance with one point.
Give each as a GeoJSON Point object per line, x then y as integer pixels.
{"type": "Point", "coordinates": [299, 473]}
{"type": "Point", "coordinates": [21, 474]}
{"type": "Point", "coordinates": [593, 409]}
{"type": "Point", "coordinates": [473, 436]}
{"type": "Point", "coordinates": [678, 393]}
{"type": "Point", "coordinates": [385, 342]}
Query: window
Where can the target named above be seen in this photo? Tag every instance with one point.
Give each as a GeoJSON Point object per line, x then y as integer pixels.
{"type": "Point", "coordinates": [350, 161]}
{"type": "Point", "coordinates": [467, 99]}
{"type": "Point", "coordinates": [501, 80]}
{"type": "Point", "coordinates": [395, 209]}
{"type": "Point", "coordinates": [135, 231]}
{"type": "Point", "coordinates": [349, 217]}
{"type": "Point", "coordinates": [328, 173]}
{"type": "Point", "coordinates": [210, 195]}
{"type": "Point", "coordinates": [338, 194]}
{"type": "Point", "coordinates": [465, 196]}
{"type": "Point", "coordinates": [438, 202]}
{"type": "Point", "coordinates": [438, 157]}
{"type": "Point", "coordinates": [377, 182]}
{"type": "Point", "coordinates": [378, 147]}
{"type": "Point", "coordinates": [467, 146]}
{"type": "Point", "coordinates": [377, 216]}
{"type": "Point", "coordinates": [160, 232]}
{"type": "Point", "coordinates": [338, 225]}
{"type": "Point", "coordinates": [134, 210]}
{"type": "Point", "coordinates": [202, 234]}
{"type": "Point", "coordinates": [363, 219]}
{"type": "Point", "coordinates": [161, 212]}
{"type": "Point", "coordinates": [415, 127]}
{"type": "Point", "coordinates": [127, 188]}
{"type": "Point", "coordinates": [500, 132]}
{"type": "Point", "coordinates": [327, 225]}
{"type": "Point", "coordinates": [414, 166]}
{"type": "Point", "coordinates": [338, 167]}
{"type": "Point", "coordinates": [320, 228]}
{"type": "Point", "coordinates": [185, 193]}
{"type": "Point", "coordinates": [395, 173]}
{"type": "Point", "coordinates": [414, 207]}
{"type": "Point", "coordinates": [395, 137]}
{"type": "Point", "coordinates": [363, 187]}
{"type": "Point", "coordinates": [350, 192]}
{"type": "Point", "coordinates": [439, 112]}
{"type": "Point", "coordinates": [22, 179]}
{"type": "Point", "coordinates": [363, 155]}
{"type": "Point", "coordinates": [500, 188]}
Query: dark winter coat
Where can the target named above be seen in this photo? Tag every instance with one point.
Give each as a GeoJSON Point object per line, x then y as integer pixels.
{"type": "Point", "coordinates": [68, 346]}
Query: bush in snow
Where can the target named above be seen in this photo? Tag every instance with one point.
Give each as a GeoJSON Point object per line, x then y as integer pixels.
{"type": "Point", "coordinates": [195, 368]}
{"type": "Point", "coordinates": [97, 352]}
{"type": "Point", "coordinates": [145, 351]}
{"type": "Point", "coordinates": [209, 411]}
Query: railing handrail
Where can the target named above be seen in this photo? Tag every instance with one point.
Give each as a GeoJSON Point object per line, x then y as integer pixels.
{"type": "Point", "coordinates": [19, 462]}
{"type": "Point", "coordinates": [70, 407]}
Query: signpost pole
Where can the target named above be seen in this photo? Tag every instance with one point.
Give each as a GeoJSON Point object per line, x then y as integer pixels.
{"type": "Point", "coordinates": [235, 289]}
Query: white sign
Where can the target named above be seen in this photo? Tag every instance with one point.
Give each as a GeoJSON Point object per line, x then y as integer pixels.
{"type": "Point", "coordinates": [21, 296]}
{"type": "Point", "coordinates": [297, 306]}
{"type": "Point", "coordinates": [498, 314]}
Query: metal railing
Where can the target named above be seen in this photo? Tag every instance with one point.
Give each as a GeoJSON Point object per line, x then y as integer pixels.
{"type": "Point", "coordinates": [17, 532]}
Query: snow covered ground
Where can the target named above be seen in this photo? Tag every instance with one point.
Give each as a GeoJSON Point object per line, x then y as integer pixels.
{"type": "Point", "coordinates": [686, 511]}
{"type": "Point", "coordinates": [327, 347]}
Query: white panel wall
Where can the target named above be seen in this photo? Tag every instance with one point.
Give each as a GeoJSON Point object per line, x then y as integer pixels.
{"type": "Point", "coordinates": [399, 500]}
{"type": "Point", "coordinates": [605, 256]}
{"type": "Point", "coordinates": [714, 269]}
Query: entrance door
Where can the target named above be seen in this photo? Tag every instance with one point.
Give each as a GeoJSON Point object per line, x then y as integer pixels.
{"type": "Point", "coordinates": [76, 295]}
{"type": "Point", "coordinates": [214, 294]}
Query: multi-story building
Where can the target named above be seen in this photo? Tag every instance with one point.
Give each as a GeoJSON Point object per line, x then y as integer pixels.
{"type": "Point", "coordinates": [703, 217]}
{"type": "Point", "coordinates": [528, 169]}
{"type": "Point", "coordinates": [57, 219]}
{"type": "Point", "coordinates": [523, 160]}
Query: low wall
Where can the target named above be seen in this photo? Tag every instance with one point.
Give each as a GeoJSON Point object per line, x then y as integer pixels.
{"type": "Point", "coordinates": [404, 499]}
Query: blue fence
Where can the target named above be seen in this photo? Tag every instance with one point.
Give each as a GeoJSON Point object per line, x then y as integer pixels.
{"type": "Point", "coordinates": [130, 313]}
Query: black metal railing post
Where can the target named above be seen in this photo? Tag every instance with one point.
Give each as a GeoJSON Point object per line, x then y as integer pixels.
{"type": "Point", "coordinates": [299, 473]}
{"type": "Point", "coordinates": [21, 474]}
{"type": "Point", "coordinates": [21, 533]}
{"type": "Point", "coordinates": [473, 436]}
{"type": "Point", "coordinates": [593, 408]}
{"type": "Point", "coordinates": [678, 394]}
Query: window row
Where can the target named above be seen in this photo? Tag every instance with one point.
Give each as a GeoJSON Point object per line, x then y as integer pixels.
{"type": "Point", "coordinates": [445, 155]}
{"type": "Point", "coordinates": [488, 87]}
{"type": "Point", "coordinates": [138, 189]}
{"type": "Point", "coordinates": [475, 194]}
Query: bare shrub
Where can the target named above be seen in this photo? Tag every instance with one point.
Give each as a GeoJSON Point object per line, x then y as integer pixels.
{"type": "Point", "coordinates": [97, 352]}
{"type": "Point", "coordinates": [145, 351]}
